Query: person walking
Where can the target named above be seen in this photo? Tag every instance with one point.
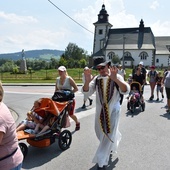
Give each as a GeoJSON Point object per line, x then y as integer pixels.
{"type": "Point", "coordinates": [166, 82]}
{"type": "Point", "coordinates": [152, 74]}
{"type": "Point", "coordinates": [139, 77]}
{"type": "Point", "coordinates": [108, 85]}
{"type": "Point", "coordinates": [143, 71]}
{"type": "Point", "coordinates": [64, 81]}
{"type": "Point", "coordinates": [159, 86]}
{"type": "Point", "coordinates": [86, 69]}
{"type": "Point", "coordinates": [11, 157]}
{"type": "Point", "coordinates": [122, 72]}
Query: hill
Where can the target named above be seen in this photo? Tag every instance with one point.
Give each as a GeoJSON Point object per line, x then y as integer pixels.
{"type": "Point", "coordinates": [45, 54]}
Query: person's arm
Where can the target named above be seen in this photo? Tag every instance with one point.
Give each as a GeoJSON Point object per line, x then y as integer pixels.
{"type": "Point", "coordinates": [88, 79]}
{"type": "Point", "coordinates": [73, 84]}
{"type": "Point", "coordinates": [56, 88]}
{"type": "Point", "coordinates": [1, 136]}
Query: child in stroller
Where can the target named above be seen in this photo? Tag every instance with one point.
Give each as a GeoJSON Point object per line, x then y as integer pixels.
{"type": "Point", "coordinates": [135, 98]}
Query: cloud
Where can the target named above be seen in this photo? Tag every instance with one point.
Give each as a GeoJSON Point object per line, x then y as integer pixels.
{"type": "Point", "coordinates": [161, 28]}
{"type": "Point", "coordinates": [16, 19]}
{"type": "Point", "coordinates": [154, 5]}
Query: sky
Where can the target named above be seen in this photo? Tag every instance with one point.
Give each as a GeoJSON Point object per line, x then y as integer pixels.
{"type": "Point", "coordinates": [40, 24]}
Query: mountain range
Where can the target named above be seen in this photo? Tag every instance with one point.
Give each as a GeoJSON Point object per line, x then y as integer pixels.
{"type": "Point", "coordinates": [45, 54]}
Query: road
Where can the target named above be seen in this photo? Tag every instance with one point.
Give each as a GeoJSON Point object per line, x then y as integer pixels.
{"type": "Point", "coordinates": [145, 135]}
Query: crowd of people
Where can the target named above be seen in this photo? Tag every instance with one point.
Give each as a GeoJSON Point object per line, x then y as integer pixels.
{"type": "Point", "coordinates": [158, 81]}
{"type": "Point", "coordinates": [110, 86]}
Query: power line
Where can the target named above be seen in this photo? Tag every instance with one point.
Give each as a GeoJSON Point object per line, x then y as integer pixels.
{"type": "Point", "coordinates": [70, 17]}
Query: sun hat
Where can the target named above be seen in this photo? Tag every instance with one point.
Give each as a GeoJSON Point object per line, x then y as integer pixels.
{"type": "Point", "coordinates": [153, 67]}
{"type": "Point", "coordinates": [141, 63]}
{"type": "Point", "coordinates": [104, 64]}
{"type": "Point", "coordinates": [61, 68]}
{"type": "Point", "coordinates": [86, 68]}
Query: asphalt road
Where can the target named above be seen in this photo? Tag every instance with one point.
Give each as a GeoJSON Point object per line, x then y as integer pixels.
{"type": "Point", "coordinates": [145, 135]}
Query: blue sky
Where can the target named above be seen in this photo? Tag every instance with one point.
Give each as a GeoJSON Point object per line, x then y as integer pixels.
{"type": "Point", "coordinates": [37, 24]}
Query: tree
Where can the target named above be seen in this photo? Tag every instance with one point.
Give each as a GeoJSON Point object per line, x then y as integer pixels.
{"type": "Point", "coordinates": [115, 59]}
{"type": "Point", "coordinates": [73, 54]}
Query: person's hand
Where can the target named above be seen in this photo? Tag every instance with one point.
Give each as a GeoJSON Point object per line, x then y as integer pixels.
{"type": "Point", "coordinates": [87, 76]}
{"type": "Point", "coordinates": [113, 72]}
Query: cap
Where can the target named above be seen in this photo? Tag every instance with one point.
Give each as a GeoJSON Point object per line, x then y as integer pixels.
{"type": "Point", "coordinates": [104, 64]}
{"type": "Point", "coordinates": [119, 65]}
{"type": "Point", "coordinates": [86, 68]}
{"type": "Point", "coordinates": [130, 75]}
{"type": "Point", "coordinates": [61, 68]}
{"type": "Point", "coordinates": [153, 67]}
{"type": "Point", "coordinates": [141, 63]}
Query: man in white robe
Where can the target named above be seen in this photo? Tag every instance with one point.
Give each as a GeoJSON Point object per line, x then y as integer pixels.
{"type": "Point", "coordinates": [108, 86]}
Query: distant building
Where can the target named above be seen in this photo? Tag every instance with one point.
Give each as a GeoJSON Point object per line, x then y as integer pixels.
{"type": "Point", "coordinates": [131, 45]}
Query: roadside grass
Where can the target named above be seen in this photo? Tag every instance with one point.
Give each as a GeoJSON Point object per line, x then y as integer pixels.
{"type": "Point", "coordinates": [46, 76]}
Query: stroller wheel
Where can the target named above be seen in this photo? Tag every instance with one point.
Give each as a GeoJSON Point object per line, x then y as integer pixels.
{"type": "Point", "coordinates": [128, 105]}
{"type": "Point", "coordinates": [64, 139]}
{"type": "Point", "coordinates": [132, 109]}
{"type": "Point", "coordinates": [24, 149]}
{"type": "Point", "coordinates": [143, 107]}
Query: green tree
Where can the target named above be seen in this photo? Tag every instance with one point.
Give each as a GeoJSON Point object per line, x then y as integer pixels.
{"type": "Point", "coordinates": [116, 59]}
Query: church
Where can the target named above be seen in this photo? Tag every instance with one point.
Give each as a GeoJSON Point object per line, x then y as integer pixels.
{"type": "Point", "coordinates": [130, 45]}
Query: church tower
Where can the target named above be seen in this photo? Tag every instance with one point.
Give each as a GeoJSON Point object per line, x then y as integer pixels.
{"type": "Point", "coordinates": [102, 27]}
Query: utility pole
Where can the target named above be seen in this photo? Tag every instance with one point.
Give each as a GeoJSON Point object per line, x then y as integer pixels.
{"type": "Point", "coordinates": [123, 51]}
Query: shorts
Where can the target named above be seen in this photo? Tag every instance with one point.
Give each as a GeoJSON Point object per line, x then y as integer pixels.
{"type": "Point", "coordinates": [29, 124]}
{"type": "Point", "coordinates": [167, 92]}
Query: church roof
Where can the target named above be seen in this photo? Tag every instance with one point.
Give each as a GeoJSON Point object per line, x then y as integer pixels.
{"type": "Point", "coordinates": [162, 45]}
{"type": "Point", "coordinates": [133, 38]}
{"type": "Point", "coordinates": [99, 53]}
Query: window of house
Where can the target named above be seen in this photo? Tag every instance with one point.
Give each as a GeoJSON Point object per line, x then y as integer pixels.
{"type": "Point", "coordinates": [111, 55]}
{"type": "Point", "coordinates": [143, 55]}
{"type": "Point", "coordinates": [100, 31]}
{"type": "Point", "coordinates": [157, 60]}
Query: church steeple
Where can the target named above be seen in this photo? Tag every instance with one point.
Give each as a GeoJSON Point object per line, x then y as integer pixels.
{"type": "Point", "coordinates": [103, 17]}
{"type": "Point", "coordinates": [102, 27]}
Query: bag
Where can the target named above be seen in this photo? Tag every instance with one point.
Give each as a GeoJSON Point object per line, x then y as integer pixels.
{"type": "Point", "coordinates": [63, 95]}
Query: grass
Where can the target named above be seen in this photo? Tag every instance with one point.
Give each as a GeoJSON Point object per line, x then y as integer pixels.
{"type": "Point", "coordinates": [46, 76]}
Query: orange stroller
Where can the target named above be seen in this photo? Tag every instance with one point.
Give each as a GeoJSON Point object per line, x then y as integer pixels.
{"type": "Point", "coordinates": [58, 109]}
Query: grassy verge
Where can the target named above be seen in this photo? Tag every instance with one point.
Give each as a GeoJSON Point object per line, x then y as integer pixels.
{"type": "Point", "coordinates": [45, 76]}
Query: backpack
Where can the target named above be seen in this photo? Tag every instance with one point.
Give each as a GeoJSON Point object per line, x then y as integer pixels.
{"type": "Point", "coordinates": [63, 95]}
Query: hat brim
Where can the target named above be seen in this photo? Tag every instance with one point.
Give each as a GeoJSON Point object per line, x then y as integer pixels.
{"type": "Point", "coordinates": [104, 64]}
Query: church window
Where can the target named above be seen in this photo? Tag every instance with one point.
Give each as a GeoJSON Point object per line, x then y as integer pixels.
{"type": "Point", "coordinates": [157, 60]}
{"type": "Point", "coordinates": [143, 55]}
{"type": "Point", "coordinates": [127, 54]}
{"type": "Point", "coordinates": [111, 55]}
{"type": "Point", "coordinates": [100, 32]}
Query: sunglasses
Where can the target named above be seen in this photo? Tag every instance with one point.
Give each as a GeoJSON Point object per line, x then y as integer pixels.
{"type": "Point", "coordinates": [101, 68]}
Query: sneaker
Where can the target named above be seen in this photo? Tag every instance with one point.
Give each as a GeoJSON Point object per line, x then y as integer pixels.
{"type": "Point", "coordinates": [77, 127]}
{"type": "Point", "coordinates": [151, 98]}
{"type": "Point", "coordinates": [90, 102]}
{"type": "Point", "coordinates": [157, 99]}
{"type": "Point", "coordinates": [162, 96]}
{"type": "Point", "coordinates": [168, 111]}
{"type": "Point", "coordinates": [84, 106]}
